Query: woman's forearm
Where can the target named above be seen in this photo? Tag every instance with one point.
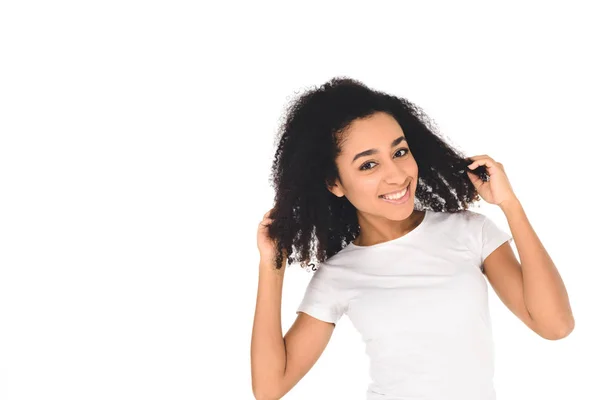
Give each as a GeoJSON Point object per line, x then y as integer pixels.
{"type": "Point", "coordinates": [544, 292]}
{"type": "Point", "coordinates": [268, 356]}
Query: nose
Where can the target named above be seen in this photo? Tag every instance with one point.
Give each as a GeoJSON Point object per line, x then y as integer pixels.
{"type": "Point", "coordinates": [394, 175]}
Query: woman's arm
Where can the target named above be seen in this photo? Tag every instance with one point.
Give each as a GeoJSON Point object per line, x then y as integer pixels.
{"type": "Point", "coordinates": [535, 285]}
{"type": "Point", "coordinates": [279, 363]}
{"type": "Point", "coordinates": [268, 356]}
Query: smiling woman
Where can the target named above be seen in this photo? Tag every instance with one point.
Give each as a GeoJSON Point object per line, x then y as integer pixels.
{"type": "Point", "coordinates": [399, 252]}
{"type": "Point", "coordinates": [357, 144]}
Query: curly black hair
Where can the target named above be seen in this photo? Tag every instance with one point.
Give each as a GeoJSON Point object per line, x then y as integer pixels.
{"type": "Point", "coordinates": [309, 141]}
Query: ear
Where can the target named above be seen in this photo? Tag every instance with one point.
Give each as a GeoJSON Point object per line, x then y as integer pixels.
{"type": "Point", "coordinates": [336, 189]}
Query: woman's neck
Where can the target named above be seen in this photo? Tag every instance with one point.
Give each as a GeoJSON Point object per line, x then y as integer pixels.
{"type": "Point", "coordinates": [370, 234]}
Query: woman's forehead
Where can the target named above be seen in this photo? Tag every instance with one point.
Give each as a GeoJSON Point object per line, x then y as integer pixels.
{"type": "Point", "coordinates": [377, 127]}
{"type": "Point", "coordinates": [372, 136]}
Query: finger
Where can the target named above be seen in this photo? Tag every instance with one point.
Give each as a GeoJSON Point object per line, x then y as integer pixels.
{"type": "Point", "coordinates": [492, 164]}
{"type": "Point", "coordinates": [475, 180]}
{"type": "Point", "coordinates": [473, 165]}
{"type": "Point", "coordinates": [477, 157]}
{"type": "Point", "coordinates": [482, 161]}
{"type": "Point", "coordinates": [266, 222]}
{"type": "Point", "coordinates": [480, 157]}
{"type": "Point", "coordinates": [473, 176]}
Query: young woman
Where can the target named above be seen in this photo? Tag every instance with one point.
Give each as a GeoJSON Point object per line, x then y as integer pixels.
{"type": "Point", "coordinates": [363, 176]}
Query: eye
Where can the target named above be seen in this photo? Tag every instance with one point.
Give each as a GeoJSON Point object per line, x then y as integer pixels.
{"type": "Point", "coordinates": [371, 162]}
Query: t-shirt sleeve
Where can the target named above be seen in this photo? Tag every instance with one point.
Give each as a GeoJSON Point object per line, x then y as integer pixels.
{"type": "Point", "coordinates": [321, 299]}
{"type": "Point", "coordinates": [491, 237]}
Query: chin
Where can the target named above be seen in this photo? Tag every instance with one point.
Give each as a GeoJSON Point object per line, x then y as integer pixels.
{"type": "Point", "coordinates": [403, 212]}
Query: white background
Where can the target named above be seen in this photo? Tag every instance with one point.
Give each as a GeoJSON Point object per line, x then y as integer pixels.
{"type": "Point", "coordinates": [135, 149]}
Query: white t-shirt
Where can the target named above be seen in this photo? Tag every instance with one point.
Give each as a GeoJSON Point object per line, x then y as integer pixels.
{"type": "Point", "coordinates": [420, 303]}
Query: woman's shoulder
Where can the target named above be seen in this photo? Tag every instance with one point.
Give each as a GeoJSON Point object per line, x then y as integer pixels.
{"type": "Point", "coordinates": [460, 214]}
{"type": "Point", "coordinates": [458, 220]}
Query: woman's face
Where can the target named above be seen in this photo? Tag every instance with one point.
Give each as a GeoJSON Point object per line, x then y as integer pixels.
{"type": "Point", "coordinates": [376, 160]}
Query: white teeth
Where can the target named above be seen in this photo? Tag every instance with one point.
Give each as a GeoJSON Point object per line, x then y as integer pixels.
{"type": "Point", "coordinates": [396, 196]}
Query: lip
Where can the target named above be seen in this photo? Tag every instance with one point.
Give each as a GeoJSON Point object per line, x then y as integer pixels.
{"type": "Point", "coordinates": [401, 200]}
{"type": "Point", "coordinates": [395, 191]}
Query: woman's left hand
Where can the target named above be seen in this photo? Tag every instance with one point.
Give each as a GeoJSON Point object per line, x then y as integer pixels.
{"type": "Point", "coordinates": [497, 189]}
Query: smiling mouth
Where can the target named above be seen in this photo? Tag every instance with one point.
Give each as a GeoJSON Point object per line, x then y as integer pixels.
{"type": "Point", "coordinates": [395, 192]}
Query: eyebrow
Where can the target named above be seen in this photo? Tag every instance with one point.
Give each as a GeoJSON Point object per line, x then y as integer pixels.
{"type": "Point", "coordinates": [375, 151]}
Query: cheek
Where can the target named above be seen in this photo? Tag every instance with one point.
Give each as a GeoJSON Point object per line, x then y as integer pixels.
{"type": "Point", "coordinates": [363, 189]}
{"type": "Point", "coordinates": [368, 185]}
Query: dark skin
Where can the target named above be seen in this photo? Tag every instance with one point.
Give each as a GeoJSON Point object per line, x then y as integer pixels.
{"type": "Point", "coordinates": [388, 168]}
{"type": "Point", "coordinates": [532, 289]}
